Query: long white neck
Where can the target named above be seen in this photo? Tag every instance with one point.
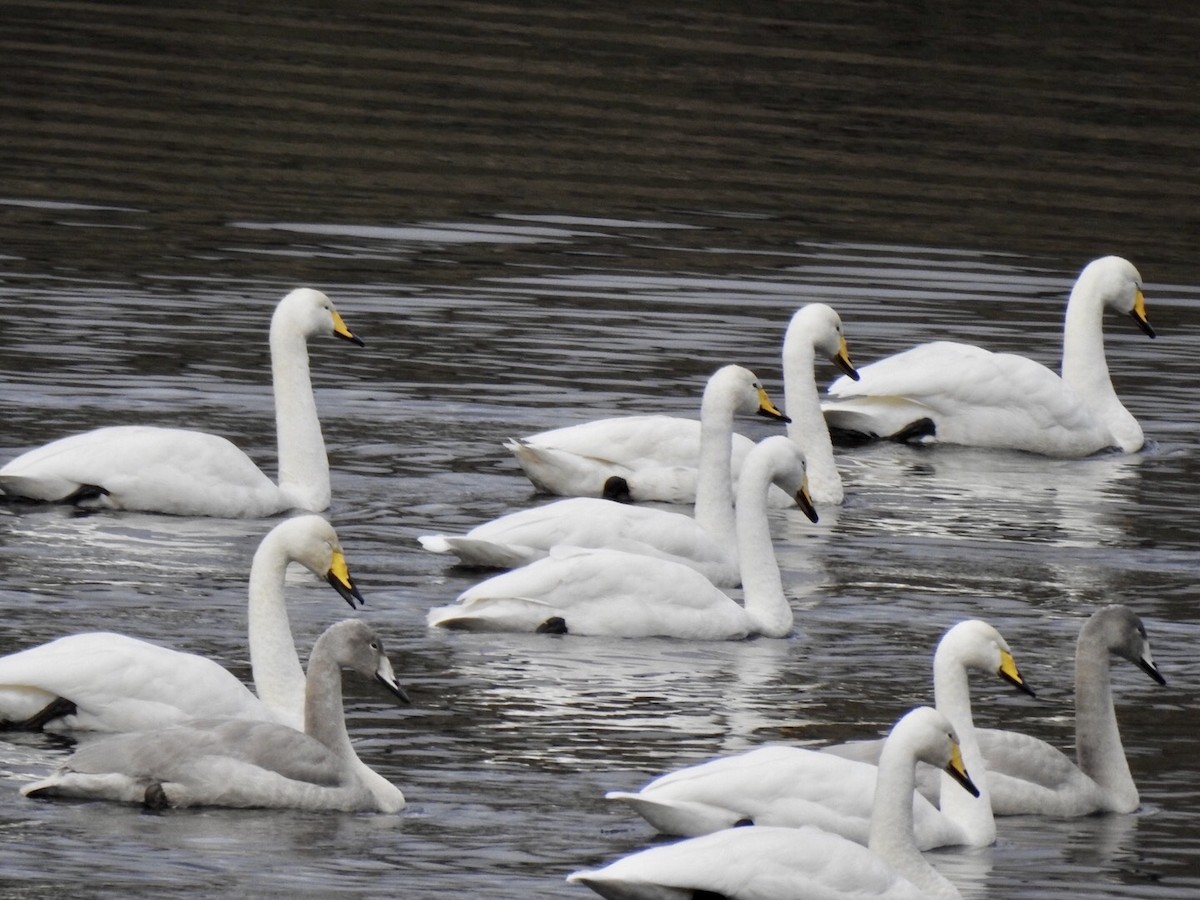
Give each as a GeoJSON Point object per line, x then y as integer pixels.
{"type": "Point", "coordinates": [1098, 748]}
{"type": "Point", "coordinates": [952, 697]}
{"type": "Point", "coordinates": [714, 483]}
{"type": "Point", "coordinates": [275, 666]}
{"type": "Point", "coordinates": [1085, 367]}
{"type": "Point", "coordinates": [808, 428]}
{"type": "Point", "coordinates": [891, 832]}
{"type": "Point", "coordinates": [303, 464]}
{"type": "Point", "coordinates": [762, 586]}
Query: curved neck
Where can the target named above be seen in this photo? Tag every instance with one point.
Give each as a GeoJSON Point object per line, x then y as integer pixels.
{"type": "Point", "coordinates": [275, 666]}
{"type": "Point", "coordinates": [714, 483]}
{"type": "Point", "coordinates": [303, 464]}
{"type": "Point", "coordinates": [1098, 749]}
{"type": "Point", "coordinates": [891, 832]}
{"type": "Point", "coordinates": [762, 586]}
{"type": "Point", "coordinates": [808, 428]}
{"type": "Point", "coordinates": [1085, 368]}
{"type": "Point", "coordinates": [324, 714]}
{"type": "Point", "coordinates": [952, 697]}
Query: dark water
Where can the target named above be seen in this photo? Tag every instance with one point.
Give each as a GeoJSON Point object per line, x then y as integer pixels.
{"type": "Point", "coordinates": [537, 214]}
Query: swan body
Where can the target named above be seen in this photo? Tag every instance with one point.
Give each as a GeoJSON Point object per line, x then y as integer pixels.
{"type": "Point", "coordinates": [192, 473]}
{"type": "Point", "coordinates": [659, 456]}
{"type": "Point", "coordinates": [957, 393]}
{"type": "Point", "coordinates": [611, 592]}
{"type": "Point", "coordinates": [706, 542]}
{"type": "Point", "coordinates": [795, 786]}
{"type": "Point", "coordinates": [101, 681]}
{"type": "Point", "coordinates": [1028, 776]}
{"type": "Point", "coordinates": [239, 763]}
{"type": "Point", "coordinates": [769, 863]}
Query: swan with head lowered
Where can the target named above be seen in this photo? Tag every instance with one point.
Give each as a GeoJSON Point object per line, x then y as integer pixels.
{"type": "Point", "coordinates": [955, 393]}
{"type": "Point", "coordinates": [193, 473]}
{"type": "Point", "coordinates": [706, 542]}
{"type": "Point", "coordinates": [660, 456]}
{"type": "Point", "coordinates": [791, 786]}
{"type": "Point", "coordinates": [240, 763]}
{"type": "Point", "coordinates": [611, 592]}
{"type": "Point", "coordinates": [761, 862]}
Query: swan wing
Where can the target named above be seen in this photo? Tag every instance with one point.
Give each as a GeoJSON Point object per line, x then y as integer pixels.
{"type": "Point", "coordinates": [782, 786]}
{"type": "Point", "coordinates": [118, 683]}
{"type": "Point", "coordinates": [1026, 775]}
{"type": "Point", "coordinates": [599, 592]}
{"type": "Point", "coordinates": [167, 470]}
{"type": "Point", "coordinates": [758, 863]}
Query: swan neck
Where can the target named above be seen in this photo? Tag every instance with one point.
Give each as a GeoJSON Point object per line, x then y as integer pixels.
{"type": "Point", "coordinates": [714, 483]}
{"type": "Point", "coordinates": [1084, 366]}
{"type": "Point", "coordinates": [303, 463]}
{"type": "Point", "coordinates": [808, 428]}
{"type": "Point", "coordinates": [1098, 748]}
{"type": "Point", "coordinates": [274, 663]}
{"type": "Point", "coordinates": [952, 697]}
{"type": "Point", "coordinates": [891, 832]}
{"type": "Point", "coordinates": [324, 712]}
{"type": "Point", "coordinates": [762, 585]}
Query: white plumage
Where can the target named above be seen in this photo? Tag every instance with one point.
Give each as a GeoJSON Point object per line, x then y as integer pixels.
{"type": "Point", "coordinates": [193, 473]}
{"type": "Point", "coordinates": [971, 396]}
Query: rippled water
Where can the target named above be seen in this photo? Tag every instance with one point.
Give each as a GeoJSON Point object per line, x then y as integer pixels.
{"type": "Point", "coordinates": [534, 217]}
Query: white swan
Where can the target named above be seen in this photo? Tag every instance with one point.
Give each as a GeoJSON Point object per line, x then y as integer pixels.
{"type": "Point", "coordinates": [793, 786]}
{"type": "Point", "coordinates": [765, 863]}
{"type": "Point", "coordinates": [961, 394]}
{"type": "Point", "coordinates": [240, 763]}
{"type": "Point", "coordinates": [659, 455]}
{"type": "Point", "coordinates": [1028, 776]}
{"type": "Point", "coordinates": [592, 592]}
{"type": "Point", "coordinates": [193, 473]}
{"type": "Point", "coordinates": [101, 681]}
{"type": "Point", "coordinates": [707, 543]}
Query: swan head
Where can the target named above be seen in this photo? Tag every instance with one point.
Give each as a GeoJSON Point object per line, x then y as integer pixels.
{"type": "Point", "coordinates": [312, 542]}
{"type": "Point", "coordinates": [353, 645]}
{"type": "Point", "coordinates": [819, 324]}
{"type": "Point", "coordinates": [784, 460]}
{"type": "Point", "coordinates": [1119, 285]}
{"type": "Point", "coordinates": [929, 737]}
{"type": "Point", "coordinates": [310, 313]}
{"type": "Point", "coordinates": [739, 389]}
{"type": "Point", "coordinates": [1122, 632]}
{"type": "Point", "coordinates": [974, 644]}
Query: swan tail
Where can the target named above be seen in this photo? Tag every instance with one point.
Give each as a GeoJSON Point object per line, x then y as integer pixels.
{"type": "Point", "coordinates": [481, 554]}
{"type": "Point", "coordinates": [862, 420]}
{"type": "Point", "coordinates": [561, 472]}
{"type": "Point", "coordinates": [679, 817]}
{"type": "Point", "coordinates": [498, 614]}
{"type": "Point", "coordinates": [68, 784]}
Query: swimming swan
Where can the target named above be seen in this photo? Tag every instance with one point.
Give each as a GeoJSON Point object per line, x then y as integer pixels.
{"type": "Point", "coordinates": [706, 543]}
{"type": "Point", "coordinates": [970, 396]}
{"type": "Point", "coordinates": [101, 681]}
{"type": "Point", "coordinates": [765, 863]}
{"type": "Point", "coordinates": [789, 786]}
{"type": "Point", "coordinates": [659, 455]}
{"type": "Point", "coordinates": [193, 473]}
{"type": "Point", "coordinates": [240, 763]}
{"type": "Point", "coordinates": [1028, 776]}
{"type": "Point", "coordinates": [610, 592]}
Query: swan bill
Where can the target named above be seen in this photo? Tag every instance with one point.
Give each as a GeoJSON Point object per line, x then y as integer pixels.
{"type": "Point", "coordinates": [340, 330]}
{"type": "Point", "coordinates": [767, 409]}
{"type": "Point", "coordinates": [841, 359]}
{"type": "Point", "coordinates": [1147, 665]}
{"type": "Point", "coordinates": [1010, 673]}
{"type": "Point", "coordinates": [805, 502]}
{"type": "Point", "coordinates": [956, 770]}
{"type": "Point", "coordinates": [339, 577]}
{"type": "Point", "coordinates": [1139, 315]}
